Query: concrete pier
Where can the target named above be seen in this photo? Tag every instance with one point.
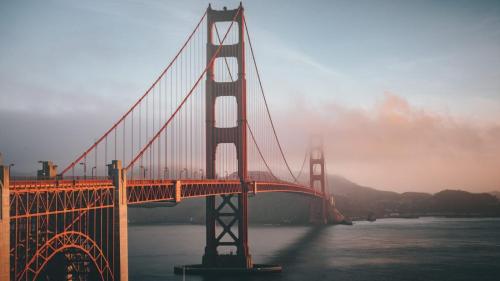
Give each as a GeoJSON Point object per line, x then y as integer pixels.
{"type": "Point", "coordinates": [120, 227]}
{"type": "Point", "coordinates": [4, 224]}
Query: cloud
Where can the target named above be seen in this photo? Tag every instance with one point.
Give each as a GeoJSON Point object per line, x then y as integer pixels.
{"type": "Point", "coordinates": [397, 146]}
{"type": "Point", "coordinates": [393, 145]}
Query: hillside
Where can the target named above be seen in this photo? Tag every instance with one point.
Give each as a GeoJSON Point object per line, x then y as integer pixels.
{"type": "Point", "coordinates": [359, 202]}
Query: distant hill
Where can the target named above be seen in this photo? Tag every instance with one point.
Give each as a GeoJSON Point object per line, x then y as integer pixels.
{"type": "Point", "coordinates": [358, 202]}
{"type": "Point", "coordinates": [457, 201]}
{"type": "Point", "coordinates": [353, 200]}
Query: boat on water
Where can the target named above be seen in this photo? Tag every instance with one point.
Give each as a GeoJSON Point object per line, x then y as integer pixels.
{"type": "Point", "coordinates": [371, 217]}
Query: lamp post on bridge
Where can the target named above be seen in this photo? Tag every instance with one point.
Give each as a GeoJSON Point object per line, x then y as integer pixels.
{"type": "Point", "coordinates": [143, 169]}
{"type": "Point", "coordinates": [166, 173]}
{"type": "Point", "coordinates": [92, 171]}
{"type": "Point", "coordinates": [84, 169]}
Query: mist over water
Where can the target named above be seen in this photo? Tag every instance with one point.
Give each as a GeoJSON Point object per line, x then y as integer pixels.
{"type": "Point", "coordinates": [388, 249]}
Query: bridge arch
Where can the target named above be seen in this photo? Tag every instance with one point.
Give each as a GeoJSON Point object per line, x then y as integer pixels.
{"type": "Point", "coordinates": [63, 241]}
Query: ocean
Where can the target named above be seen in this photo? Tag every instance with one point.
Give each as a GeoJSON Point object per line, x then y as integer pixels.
{"type": "Point", "coordinates": [388, 249]}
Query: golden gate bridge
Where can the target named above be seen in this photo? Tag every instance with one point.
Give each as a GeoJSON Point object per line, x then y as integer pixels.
{"type": "Point", "coordinates": [203, 129]}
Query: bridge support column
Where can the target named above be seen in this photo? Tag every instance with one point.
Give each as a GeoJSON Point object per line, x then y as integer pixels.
{"type": "Point", "coordinates": [48, 171]}
{"type": "Point", "coordinates": [120, 225]}
{"type": "Point", "coordinates": [4, 224]}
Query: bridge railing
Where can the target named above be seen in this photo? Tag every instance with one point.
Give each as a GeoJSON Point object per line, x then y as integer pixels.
{"type": "Point", "coordinates": [50, 197]}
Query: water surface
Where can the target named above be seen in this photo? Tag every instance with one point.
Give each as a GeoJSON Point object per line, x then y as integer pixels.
{"type": "Point", "coordinates": [388, 249]}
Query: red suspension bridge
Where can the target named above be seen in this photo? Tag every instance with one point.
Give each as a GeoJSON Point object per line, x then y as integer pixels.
{"type": "Point", "coordinates": [203, 129]}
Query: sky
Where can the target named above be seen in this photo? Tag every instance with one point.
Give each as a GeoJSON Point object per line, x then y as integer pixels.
{"type": "Point", "coordinates": [406, 93]}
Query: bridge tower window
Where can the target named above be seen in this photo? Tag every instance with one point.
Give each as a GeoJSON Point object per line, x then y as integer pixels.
{"type": "Point", "coordinates": [220, 28]}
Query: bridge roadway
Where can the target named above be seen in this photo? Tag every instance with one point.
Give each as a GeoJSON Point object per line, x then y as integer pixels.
{"type": "Point", "coordinates": [48, 197]}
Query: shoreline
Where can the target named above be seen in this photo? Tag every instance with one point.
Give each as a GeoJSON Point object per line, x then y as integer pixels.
{"type": "Point", "coordinates": [305, 224]}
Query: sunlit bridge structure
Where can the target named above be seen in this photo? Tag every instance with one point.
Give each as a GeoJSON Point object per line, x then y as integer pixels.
{"type": "Point", "coordinates": [203, 129]}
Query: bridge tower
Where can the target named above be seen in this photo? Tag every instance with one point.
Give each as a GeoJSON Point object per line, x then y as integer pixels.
{"type": "Point", "coordinates": [317, 178]}
{"type": "Point", "coordinates": [226, 212]}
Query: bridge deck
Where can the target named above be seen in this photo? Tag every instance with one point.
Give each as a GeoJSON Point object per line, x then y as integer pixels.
{"type": "Point", "coordinates": [45, 197]}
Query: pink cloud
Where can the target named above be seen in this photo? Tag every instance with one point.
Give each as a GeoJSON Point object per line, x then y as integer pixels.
{"type": "Point", "coordinates": [400, 147]}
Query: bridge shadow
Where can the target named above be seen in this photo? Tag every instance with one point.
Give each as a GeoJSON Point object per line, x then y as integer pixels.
{"type": "Point", "coordinates": [288, 257]}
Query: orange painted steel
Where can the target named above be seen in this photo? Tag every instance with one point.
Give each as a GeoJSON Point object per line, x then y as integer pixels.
{"type": "Point", "coordinates": [51, 216]}
{"type": "Point", "coordinates": [144, 191]}
{"type": "Point", "coordinates": [43, 198]}
{"type": "Point", "coordinates": [42, 203]}
{"type": "Point", "coordinates": [67, 240]}
{"type": "Point", "coordinates": [79, 194]}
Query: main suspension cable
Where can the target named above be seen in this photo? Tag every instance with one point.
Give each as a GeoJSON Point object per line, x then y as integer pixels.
{"type": "Point", "coordinates": [303, 165]}
{"type": "Point", "coordinates": [70, 166]}
{"type": "Point", "coordinates": [212, 59]}
{"type": "Point", "coordinates": [265, 102]}
{"type": "Point", "coordinates": [248, 124]}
